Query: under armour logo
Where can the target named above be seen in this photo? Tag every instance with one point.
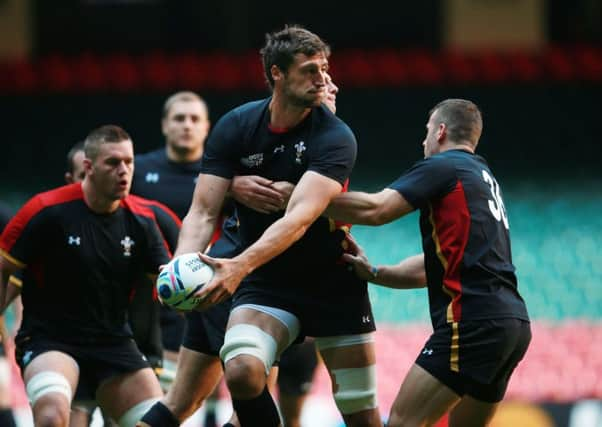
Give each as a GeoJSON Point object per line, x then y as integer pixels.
{"type": "Point", "coordinates": [152, 177]}
{"type": "Point", "coordinates": [300, 147]}
{"type": "Point", "coordinates": [279, 149]}
{"type": "Point", "coordinates": [127, 244]}
{"type": "Point", "coordinates": [365, 319]}
{"type": "Point", "coordinates": [74, 241]}
{"type": "Point", "coordinates": [427, 351]}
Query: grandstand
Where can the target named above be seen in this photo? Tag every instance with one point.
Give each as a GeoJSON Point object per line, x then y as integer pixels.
{"type": "Point", "coordinates": [533, 66]}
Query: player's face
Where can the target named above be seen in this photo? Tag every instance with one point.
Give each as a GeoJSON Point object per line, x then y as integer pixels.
{"type": "Point", "coordinates": [304, 84]}
{"type": "Point", "coordinates": [330, 100]}
{"type": "Point", "coordinates": [431, 141]}
{"type": "Point", "coordinates": [112, 170]}
{"type": "Point", "coordinates": [79, 173]}
{"type": "Point", "coordinates": [186, 126]}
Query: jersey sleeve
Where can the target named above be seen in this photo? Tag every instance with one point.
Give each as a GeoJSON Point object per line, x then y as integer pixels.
{"type": "Point", "coordinates": [220, 153]}
{"type": "Point", "coordinates": [335, 154]}
{"type": "Point", "coordinates": [169, 224]}
{"type": "Point", "coordinates": [425, 180]}
{"type": "Point", "coordinates": [157, 251]}
{"type": "Point", "coordinates": [24, 235]}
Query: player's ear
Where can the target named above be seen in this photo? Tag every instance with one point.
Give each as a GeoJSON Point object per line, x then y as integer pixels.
{"type": "Point", "coordinates": [68, 177]}
{"type": "Point", "coordinates": [164, 126]}
{"type": "Point", "coordinates": [276, 73]}
{"type": "Point", "coordinates": [87, 165]}
{"type": "Point", "coordinates": [441, 132]}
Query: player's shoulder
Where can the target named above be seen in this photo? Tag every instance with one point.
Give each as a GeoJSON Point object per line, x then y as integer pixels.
{"type": "Point", "coordinates": [332, 127]}
{"type": "Point", "coordinates": [60, 195]}
{"type": "Point", "coordinates": [154, 157]}
{"type": "Point", "coordinates": [155, 206]}
{"type": "Point", "coordinates": [247, 113]}
{"type": "Point", "coordinates": [138, 206]}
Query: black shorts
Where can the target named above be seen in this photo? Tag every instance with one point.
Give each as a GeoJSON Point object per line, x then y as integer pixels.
{"type": "Point", "coordinates": [97, 362]}
{"type": "Point", "coordinates": [335, 303]}
{"type": "Point", "coordinates": [172, 328]}
{"type": "Point", "coordinates": [488, 351]}
{"type": "Point", "coordinates": [297, 366]}
{"type": "Point", "coordinates": [205, 330]}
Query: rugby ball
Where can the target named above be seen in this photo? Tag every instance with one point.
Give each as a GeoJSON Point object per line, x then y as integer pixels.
{"type": "Point", "coordinates": [180, 279]}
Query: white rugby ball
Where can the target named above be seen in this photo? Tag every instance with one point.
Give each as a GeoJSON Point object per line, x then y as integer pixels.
{"type": "Point", "coordinates": [181, 278]}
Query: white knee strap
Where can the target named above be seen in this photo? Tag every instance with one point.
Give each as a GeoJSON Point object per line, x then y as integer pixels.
{"type": "Point", "coordinates": [47, 382]}
{"type": "Point", "coordinates": [323, 343]}
{"type": "Point", "coordinates": [355, 389]}
{"type": "Point", "coordinates": [136, 412]}
{"type": "Point", "coordinates": [250, 340]}
{"type": "Point", "coordinates": [4, 371]}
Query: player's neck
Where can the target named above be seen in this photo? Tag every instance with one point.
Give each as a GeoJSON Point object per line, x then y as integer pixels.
{"type": "Point", "coordinates": [97, 203]}
{"type": "Point", "coordinates": [183, 156]}
{"type": "Point", "coordinates": [284, 115]}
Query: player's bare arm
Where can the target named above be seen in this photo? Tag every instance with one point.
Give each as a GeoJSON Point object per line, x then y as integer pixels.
{"type": "Point", "coordinates": [407, 274]}
{"type": "Point", "coordinates": [258, 193]}
{"type": "Point", "coordinates": [201, 219]}
{"type": "Point", "coordinates": [369, 208]}
{"type": "Point", "coordinates": [7, 294]}
{"type": "Point", "coordinates": [306, 204]}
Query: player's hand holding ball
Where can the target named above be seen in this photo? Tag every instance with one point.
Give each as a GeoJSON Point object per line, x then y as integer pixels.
{"type": "Point", "coordinates": [180, 280]}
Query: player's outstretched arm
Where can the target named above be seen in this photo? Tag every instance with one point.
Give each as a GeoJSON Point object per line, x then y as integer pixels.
{"type": "Point", "coordinates": [305, 206]}
{"type": "Point", "coordinates": [369, 208]}
{"type": "Point", "coordinates": [408, 274]}
{"type": "Point", "coordinates": [201, 219]}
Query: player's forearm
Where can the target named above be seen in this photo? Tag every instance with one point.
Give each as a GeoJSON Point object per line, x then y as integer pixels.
{"type": "Point", "coordinates": [196, 232]}
{"type": "Point", "coordinates": [408, 274]}
{"type": "Point", "coordinates": [276, 239]}
{"type": "Point", "coordinates": [355, 207]}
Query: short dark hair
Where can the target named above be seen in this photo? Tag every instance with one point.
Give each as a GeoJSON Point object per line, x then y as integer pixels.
{"type": "Point", "coordinates": [77, 147]}
{"type": "Point", "coordinates": [184, 96]}
{"type": "Point", "coordinates": [281, 47]}
{"type": "Point", "coordinates": [462, 118]}
{"type": "Point", "coordinates": [107, 134]}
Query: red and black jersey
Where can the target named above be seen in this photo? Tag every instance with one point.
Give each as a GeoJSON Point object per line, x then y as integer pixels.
{"type": "Point", "coordinates": [465, 238]}
{"type": "Point", "coordinates": [81, 267]}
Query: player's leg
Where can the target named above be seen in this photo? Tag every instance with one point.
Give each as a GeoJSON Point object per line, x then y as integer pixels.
{"type": "Point", "coordinates": [422, 400]}
{"type": "Point", "coordinates": [50, 379]}
{"type": "Point", "coordinates": [127, 397]}
{"type": "Point", "coordinates": [296, 370]}
{"type": "Point", "coordinates": [197, 376]}
{"type": "Point", "coordinates": [351, 364]}
{"type": "Point", "coordinates": [255, 337]}
{"type": "Point", "coordinates": [6, 413]}
{"type": "Point", "coordinates": [471, 412]}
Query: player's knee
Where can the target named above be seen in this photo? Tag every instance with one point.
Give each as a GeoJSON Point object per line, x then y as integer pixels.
{"type": "Point", "coordinates": [245, 377]}
{"type": "Point", "coordinates": [252, 341]}
{"type": "Point", "coordinates": [356, 389]}
{"type": "Point", "coordinates": [51, 415]}
{"type": "Point", "coordinates": [134, 414]}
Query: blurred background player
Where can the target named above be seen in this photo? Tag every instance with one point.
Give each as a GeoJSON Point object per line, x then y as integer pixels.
{"type": "Point", "coordinates": [480, 321]}
{"type": "Point", "coordinates": [168, 175]}
{"type": "Point", "coordinates": [6, 413]}
{"type": "Point", "coordinates": [87, 265]}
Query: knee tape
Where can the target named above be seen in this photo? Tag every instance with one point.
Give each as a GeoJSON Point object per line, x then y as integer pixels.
{"type": "Point", "coordinates": [4, 372]}
{"type": "Point", "coordinates": [135, 413]}
{"type": "Point", "coordinates": [355, 389]}
{"type": "Point", "coordinates": [322, 343]}
{"type": "Point", "coordinates": [47, 382]}
{"type": "Point", "coordinates": [249, 339]}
